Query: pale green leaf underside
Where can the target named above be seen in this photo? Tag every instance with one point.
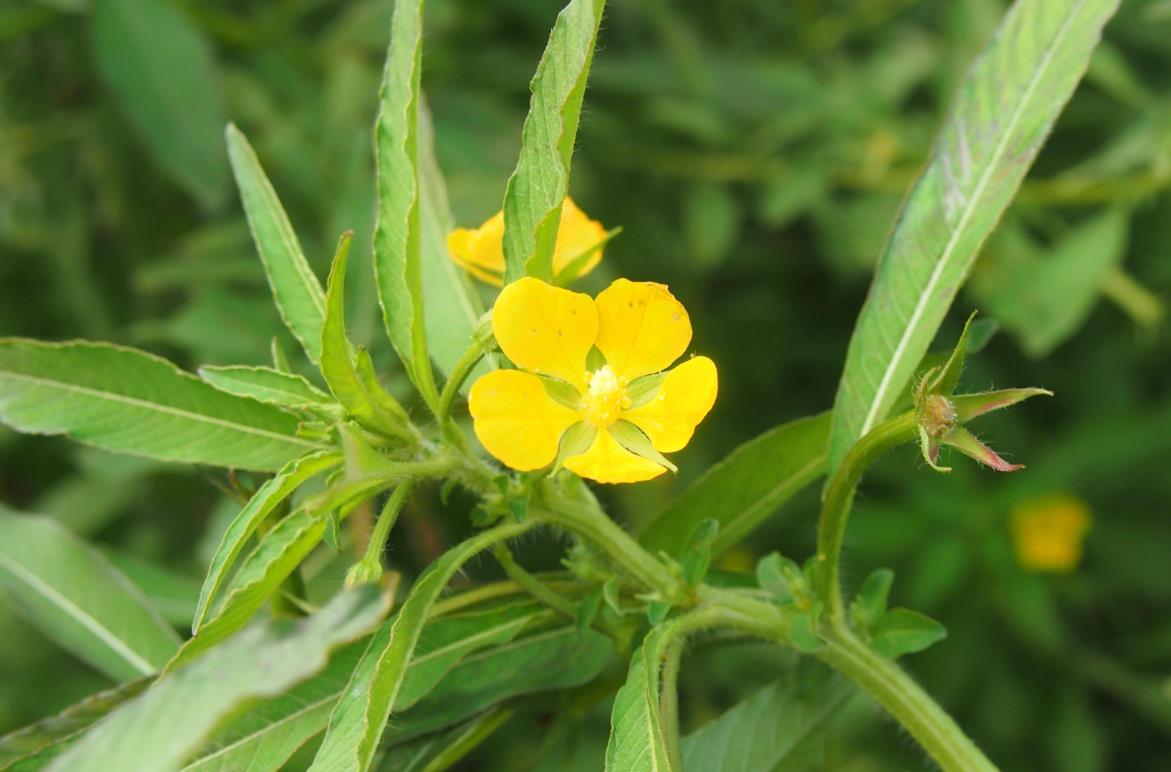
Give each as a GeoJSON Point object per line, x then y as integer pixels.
{"type": "Point", "coordinates": [164, 77]}
{"type": "Point", "coordinates": [128, 401]}
{"type": "Point", "coordinates": [1002, 114]}
{"type": "Point", "coordinates": [532, 201]}
{"type": "Point", "coordinates": [745, 488]}
{"type": "Point", "coordinates": [163, 727]}
{"type": "Point", "coordinates": [636, 741]}
{"type": "Point", "coordinates": [79, 600]}
{"type": "Point", "coordinates": [295, 288]}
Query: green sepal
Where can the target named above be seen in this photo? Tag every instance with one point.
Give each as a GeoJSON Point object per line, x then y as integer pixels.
{"type": "Point", "coordinates": [635, 440]}
{"type": "Point", "coordinates": [587, 609]}
{"type": "Point", "coordinates": [518, 506]}
{"type": "Point", "coordinates": [562, 393]}
{"type": "Point", "coordinates": [803, 630]}
{"type": "Point", "coordinates": [576, 440]}
{"type": "Point", "coordinates": [641, 390]}
{"type": "Point", "coordinates": [657, 610]}
{"type": "Point", "coordinates": [903, 631]}
{"type": "Point", "coordinates": [870, 603]}
{"type": "Point", "coordinates": [611, 593]}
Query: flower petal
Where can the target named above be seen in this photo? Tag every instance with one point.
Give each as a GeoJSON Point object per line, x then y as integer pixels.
{"type": "Point", "coordinates": [545, 329]}
{"type": "Point", "coordinates": [642, 328]}
{"type": "Point", "coordinates": [516, 420]}
{"type": "Point", "coordinates": [481, 250]}
{"type": "Point", "coordinates": [685, 396]}
{"type": "Point", "coordinates": [608, 462]}
{"type": "Point", "coordinates": [576, 234]}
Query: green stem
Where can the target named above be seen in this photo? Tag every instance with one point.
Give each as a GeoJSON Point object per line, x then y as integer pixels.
{"type": "Point", "coordinates": [531, 584]}
{"type": "Point", "coordinates": [481, 340]}
{"type": "Point", "coordinates": [369, 568]}
{"type": "Point", "coordinates": [839, 496]}
{"type": "Point", "coordinates": [591, 523]}
{"type": "Point", "coordinates": [904, 699]}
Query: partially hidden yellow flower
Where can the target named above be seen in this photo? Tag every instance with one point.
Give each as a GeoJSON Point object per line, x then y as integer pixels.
{"type": "Point", "coordinates": [621, 402]}
{"type": "Point", "coordinates": [481, 250]}
{"type": "Point", "coordinates": [1048, 532]}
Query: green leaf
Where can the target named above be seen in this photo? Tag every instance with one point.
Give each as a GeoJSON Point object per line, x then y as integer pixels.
{"type": "Point", "coordinates": [780, 576]}
{"type": "Point", "coordinates": [636, 741]}
{"type": "Point", "coordinates": [78, 599]}
{"type": "Point", "coordinates": [762, 732]}
{"type": "Point", "coordinates": [902, 631]}
{"type": "Point", "coordinates": [337, 358]}
{"type": "Point", "coordinates": [295, 288]}
{"type": "Point", "coordinates": [165, 81]}
{"type": "Point", "coordinates": [999, 120]}
{"type": "Point", "coordinates": [356, 725]}
{"type": "Point", "coordinates": [453, 307]}
{"type": "Point", "coordinates": [165, 726]}
{"type": "Point", "coordinates": [171, 591]}
{"type": "Point", "coordinates": [397, 232]}
{"type": "Point", "coordinates": [870, 604]}
{"type": "Point", "coordinates": [33, 746]}
{"type": "Point", "coordinates": [132, 402]}
{"type": "Point", "coordinates": [260, 506]}
{"type": "Point", "coordinates": [538, 186]}
{"type": "Point", "coordinates": [444, 749]}
{"type": "Point", "coordinates": [275, 558]}
{"type": "Point", "coordinates": [266, 385]}
{"type": "Point", "coordinates": [747, 487]}
{"type": "Point", "coordinates": [697, 554]}
{"type": "Point", "coordinates": [1045, 299]}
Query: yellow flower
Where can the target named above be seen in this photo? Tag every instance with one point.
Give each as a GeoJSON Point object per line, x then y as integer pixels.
{"type": "Point", "coordinates": [638, 329]}
{"type": "Point", "coordinates": [1048, 532]}
{"type": "Point", "coordinates": [481, 250]}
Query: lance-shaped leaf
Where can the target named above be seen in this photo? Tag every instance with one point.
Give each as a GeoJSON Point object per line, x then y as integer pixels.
{"type": "Point", "coordinates": [969, 406]}
{"type": "Point", "coordinates": [536, 190]}
{"type": "Point", "coordinates": [453, 307]}
{"type": "Point", "coordinates": [357, 723]}
{"type": "Point", "coordinates": [167, 85]}
{"type": "Point", "coordinates": [748, 486]}
{"type": "Point", "coordinates": [295, 287]}
{"type": "Point", "coordinates": [163, 727]}
{"type": "Point", "coordinates": [275, 558]}
{"type": "Point", "coordinates": [1005, 108]}
{"type": "Point", "coordinates": [260, 506]}
{"type": "Point", "coordinates": [132, 402]}
{"type": "Point", "coordinates": [765, 730]}
{"type": "Point", "coordinates": [397, 232]}
{"type": "Point", "coordinates": [337, 359]}
{"type": "Point", "coordinates": [637, 742]}
{"type": "Point", "coordinates": [78, 599]}
{"type": "Point", "coordinates": [34, 746]}
{"type": "Point", "coordinates": [267, 385]}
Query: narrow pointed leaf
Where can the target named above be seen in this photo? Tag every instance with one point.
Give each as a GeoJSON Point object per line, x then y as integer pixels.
{"type": "Point", "coordinates": [78, 599]}
{"type": "Point", "coordinates": [267, 385]}
{"type": "Point", "coordinates": [765, 730]}
{"type": "Point", "coordinates": [337, 359]}
{"type": "Point", "coordinates": [260, 506]}
{"type": "Point", "coordinates": [1005, 108]}
{"type": "Point", "coordinates": [969, 406]}
{"type": "Point", "coordinates": [949, 375]}
{"type": "Point", "coordinates": [132, 402]}
{"type": "Point", "coordinates": [357, 723]}
{"type": "Point", "coordinates": [397, 232]}
{"type": "Point", "coordinates": [163, 727]}
{"type": "Point", "coordinates": [637, 743]}
{"type": "Point", "coordinates": [536, 190]}
{"type": "Point", "coordinates": [295, 288]}
{"type": "Point", "coordinates": [748, 486]}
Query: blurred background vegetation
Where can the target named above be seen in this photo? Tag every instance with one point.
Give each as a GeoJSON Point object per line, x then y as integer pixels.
{"type": "Point", "coordinates": [755, 153]}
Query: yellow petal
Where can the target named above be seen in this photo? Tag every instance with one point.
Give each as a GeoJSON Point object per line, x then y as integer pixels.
{"type": "Point", "coordinates": [685, 396]}
{"type": "Point", "coordinates": [576, 234]}
{"type": "Point", "coordinates": [545, 329]}
{"type": "Point", "coordinates": [642, 328]}
{"type": "Point", "coordinates": [608, 462]}
{"type": "Point", "coordinates": [516, 420]}
{"type": "Point", "coordinates": [480, 250]}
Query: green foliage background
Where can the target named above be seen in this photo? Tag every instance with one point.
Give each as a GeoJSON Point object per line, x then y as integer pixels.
{"type": "Point", "coordinates": [755, 153]}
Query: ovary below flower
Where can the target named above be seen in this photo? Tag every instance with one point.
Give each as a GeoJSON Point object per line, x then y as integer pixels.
{"type": "Point", "coordinates": [639, 329]}
{"type": "Point", "coordinates": [481, 250]}
{"type": "Point", "coordinates": [1048, 532]}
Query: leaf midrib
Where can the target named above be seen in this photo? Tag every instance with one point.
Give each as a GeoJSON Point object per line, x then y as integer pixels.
{"type": "Point", "coordinates": [920, 305]}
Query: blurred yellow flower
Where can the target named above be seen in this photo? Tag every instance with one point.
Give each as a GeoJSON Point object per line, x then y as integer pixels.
{"type": "Point", "coordinates": [1048, 532]}
{"type": "Point", "coordinates": [623, 410]}
{"type": "Point", "coordinates": [481, 250]}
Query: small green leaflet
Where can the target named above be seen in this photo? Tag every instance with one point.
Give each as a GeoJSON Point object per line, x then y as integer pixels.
{"type": "Point", "coordinates": [397, 232]}
{"type": "Point", "coordinates": [132, 402]}
{"type": "Point", "coordinates": [78, 599]}
{"type": "Point", "coordinates": [164, 78]}
{"type": "Point", "coordinates": [270, 496]}
{"type": "Point", "coordinates": [532, 201]}
{"type": "Point", "coordinates": [1001, 116]}
{"type": "Point", "coordinates": [295, 288]}
{"type": "Point", "coordinates": [163, 727]}
{"type": "Point", "coordinates": [357, 723]}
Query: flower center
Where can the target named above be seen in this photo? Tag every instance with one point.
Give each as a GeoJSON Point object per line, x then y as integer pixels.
{"type": "Point", "coordinates": [606, 398]}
